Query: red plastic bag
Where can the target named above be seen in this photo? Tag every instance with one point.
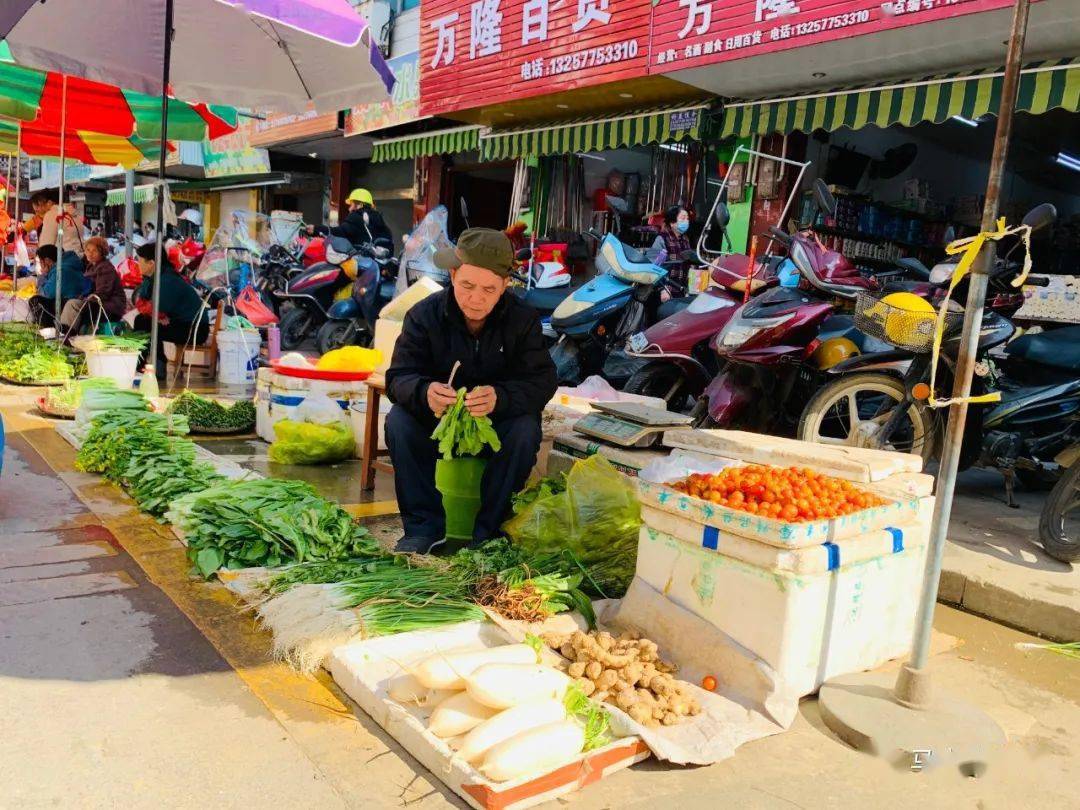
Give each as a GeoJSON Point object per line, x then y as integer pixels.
{"type": "Point", "coordinates": [130, 274]}
{"type": "Point", "coordinates": [251, 306]}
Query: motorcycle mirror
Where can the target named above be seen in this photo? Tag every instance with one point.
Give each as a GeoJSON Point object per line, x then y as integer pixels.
{"type": "Point", "coordinates": [722, 216]}
{"type": "Point", "coordinates": [523, 255]}
{"type": "Point", "coordinates": [1041, 216]}
{"type": "Point", "coordinates": [824, 197]}
{"type": "Point", "coordinates": [463, 208]}
{"type": "Point", "coordinates": [367, 219]}
{"type": "Point", "coordinates": [783, 237]}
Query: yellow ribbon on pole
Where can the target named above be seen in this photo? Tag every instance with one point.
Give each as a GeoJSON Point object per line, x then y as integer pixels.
{"type": "Point", "coordinates": [970, 247]}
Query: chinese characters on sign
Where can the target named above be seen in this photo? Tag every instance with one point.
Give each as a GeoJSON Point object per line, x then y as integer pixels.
{"type": "Point", "coordinates": [691, 33]}
{"type": "Point", "coordinates": [476, 52]}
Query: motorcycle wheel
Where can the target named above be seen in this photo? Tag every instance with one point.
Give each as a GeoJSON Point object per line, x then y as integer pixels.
{"type": "Point", "coordinates": [665, 381]}
{"type": "Point", "coordinates": [1062, 540]}
{"type": "Point", "coordinates": [294, 327]}
{"type": "Point", "coordinates": [844, 413]}
{"type": "Point", "coordinates": [333, 335]}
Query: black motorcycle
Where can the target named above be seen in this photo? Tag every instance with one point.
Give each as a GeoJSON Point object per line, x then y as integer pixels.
{"type": "Point", "coordinates": [878, 399]}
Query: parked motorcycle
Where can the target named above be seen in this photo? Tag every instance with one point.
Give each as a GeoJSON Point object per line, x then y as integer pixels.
{"type": "Point", "coordinates": [1058, 531]}
{"type": "Point", "coordinates": [879, 401]}
{"type": "Point", "coordinates": [314, 291]}
{"type": "Point", "coordinates": [772, 348]}
{"type": "Point", "coordinates": [679, 358]}
{"type": "Point", "coordinates": [352, 319]}
{"type": "Point", "coordinates": [623, 298]}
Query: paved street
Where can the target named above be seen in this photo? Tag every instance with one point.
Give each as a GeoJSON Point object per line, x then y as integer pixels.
{"type": "Point", "coordinates": [126, 684]}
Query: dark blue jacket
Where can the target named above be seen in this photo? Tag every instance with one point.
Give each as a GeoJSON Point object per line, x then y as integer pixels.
{"type": "Point", "coordinates": [72, 280]}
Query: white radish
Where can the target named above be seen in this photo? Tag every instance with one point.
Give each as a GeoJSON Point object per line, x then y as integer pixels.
{"type": "Point", "coordinates": [508, 724]}
{"type": "Point", "coordinates": [456, 715]}
{"type": "Point", "coordinates": [501, 686]}
{"type": "Point", "coordinates": [535, 751]}
{"type": "Point", "coordinates": [449, 670]}
{"type": "Point", "coordinates": [406, 688]}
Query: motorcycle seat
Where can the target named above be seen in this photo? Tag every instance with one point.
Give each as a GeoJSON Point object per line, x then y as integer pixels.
{"type": "Point", "coordinates": [543, 301]}
{"type": "Point", "coordinates": [672, 306]}
{"type": "Point", "coordinates": [1058, 348]}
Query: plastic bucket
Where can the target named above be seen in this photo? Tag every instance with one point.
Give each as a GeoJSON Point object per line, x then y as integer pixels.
{"type": "Point", "coordinates": [459, 482]}
{"type": "Point", "coordinates": [238, 355]}
{"type": "Point", "coordinates": [117, 366]}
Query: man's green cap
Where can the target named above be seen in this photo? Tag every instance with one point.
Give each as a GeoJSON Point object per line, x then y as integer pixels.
{"type": "Point", "coordinates": [482, 247]}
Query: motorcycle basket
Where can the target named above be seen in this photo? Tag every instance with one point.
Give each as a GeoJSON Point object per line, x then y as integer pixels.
{"type": "Point", "coordinates": [910, 329]}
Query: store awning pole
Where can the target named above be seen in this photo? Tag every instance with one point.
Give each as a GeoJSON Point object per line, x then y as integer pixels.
{"type": "Point", "coordinates": [18, 190]}
{"type": "Point", "coordinates": [129, 211]}
{"type": "Point", "coordinates": [58, 270]}
{"type": "Point", "coordinates": [912, 686]}
{"type": "Point", "coordinates": [159, 253]}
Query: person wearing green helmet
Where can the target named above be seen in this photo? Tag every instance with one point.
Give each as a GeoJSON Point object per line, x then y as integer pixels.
{"type": "Point", "coordinates": [363, 224]}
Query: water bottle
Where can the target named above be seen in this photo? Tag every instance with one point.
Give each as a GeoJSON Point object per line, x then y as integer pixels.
{"type": "Point", "coordinates": [273, 342]}
{"type": "Point", "coordinates": [148, 385]}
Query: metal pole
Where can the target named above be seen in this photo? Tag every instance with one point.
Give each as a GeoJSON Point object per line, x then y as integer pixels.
{"type": "Point", "coordinates": [912, 687]}
{"type": "Point", "coordinates": [129, 211]}
{"type": "Point", "coordinates": [18, 191]}
{"type": "Point", "coordinates": [60, 215]}
{"type": "Point", "coordinates": [159, 253]}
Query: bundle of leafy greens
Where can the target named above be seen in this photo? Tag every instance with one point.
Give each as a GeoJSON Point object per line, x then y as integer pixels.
{"type": "Point", "coordinates": [268, 522]}
{"type": "Point", "coordinates": [209, 413]}
{"type": "Point", "coordinates": [38, 365]}
{"type": "Point", "coordinates": [134, 342]}
{"type": "Point", "coordinates": [68, 396]}
{"type": "Point", "coordinates": [459, 433]}
{"type": "Point", "coordinates": [114, 436]}
{"type": "Point", "coordinates": [543, 488]}
{"type": "Point", "coordinates": [163, 468]}
{"type": "Point", "coordinates": [17, 340]}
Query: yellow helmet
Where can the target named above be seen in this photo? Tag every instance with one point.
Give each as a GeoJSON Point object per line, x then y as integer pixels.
{"type": "Point", "coordinates": [360, 195]}
{"type": "Point", "coordinates": [910, 321]}
{"type": "Point", "coordinates": [832, 351]}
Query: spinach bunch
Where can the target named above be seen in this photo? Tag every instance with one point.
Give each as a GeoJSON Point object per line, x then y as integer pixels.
{"type": "Point", "coordinates": [459, 433]}
{"type": "Point", "coordinates": [266, 522]}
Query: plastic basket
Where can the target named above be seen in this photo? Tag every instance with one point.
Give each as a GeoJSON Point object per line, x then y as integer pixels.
{"type": "Point", "coordinates": [903, 328]}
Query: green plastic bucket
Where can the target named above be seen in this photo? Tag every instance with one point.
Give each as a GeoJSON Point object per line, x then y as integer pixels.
{"type": "Point", "coordinates": [458, 480]}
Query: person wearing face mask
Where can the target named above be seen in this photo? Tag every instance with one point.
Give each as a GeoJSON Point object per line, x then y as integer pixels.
{"type": "Point", "coordinates": [672, 237]}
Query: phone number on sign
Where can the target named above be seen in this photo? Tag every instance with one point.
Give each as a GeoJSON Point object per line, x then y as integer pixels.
{"type": "Point", "coordinates": [830, 23]}
{"type": "Point", "coordinates": [568, 63]}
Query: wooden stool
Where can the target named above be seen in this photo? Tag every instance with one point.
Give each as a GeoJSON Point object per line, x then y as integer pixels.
{"type": "Point", "coordinates": [371, 460]}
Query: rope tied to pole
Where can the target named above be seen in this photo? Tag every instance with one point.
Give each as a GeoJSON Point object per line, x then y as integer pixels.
{"type": "Point", "coordinates": [970, 247]}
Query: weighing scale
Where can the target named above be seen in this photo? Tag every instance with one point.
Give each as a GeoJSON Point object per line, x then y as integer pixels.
{"type": "Point", "coordinates": [629, 424]}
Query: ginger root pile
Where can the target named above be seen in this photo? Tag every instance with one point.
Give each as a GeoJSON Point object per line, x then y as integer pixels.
{"type": "Point", "coordinates": [628, 672]}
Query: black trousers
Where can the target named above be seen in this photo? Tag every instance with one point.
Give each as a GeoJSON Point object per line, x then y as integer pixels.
{"type": "Point", "coordinates": [414, 453]}
{"type": "Point", "coordinates": [176, 332]}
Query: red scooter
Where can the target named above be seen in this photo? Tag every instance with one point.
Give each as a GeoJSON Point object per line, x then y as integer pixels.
{"type": "Point", "coordinates": [766, 346]}
{"type": "Point", "coordinates": [680, 358]}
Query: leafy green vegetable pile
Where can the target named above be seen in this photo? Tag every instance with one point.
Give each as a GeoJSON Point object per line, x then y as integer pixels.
{"type": "Point", "coordinates": [208, 413]}
{"type": "Point", "coordinates": [543, 488]}
{"type": "Point", "coordinates": [461, 434]}
{"type": "Point", "coordinates": [268, 522]}
{"type": "Point", "coordinates": [162, 470]}
{"type": "Point", "coordinates": [38, 365]}
{"type": "Point", "coordinates": [135, 342]}
{"type": "Point", "coordinates": [115, 435]}
{"type": "Point", "coordinates": [69, 396]}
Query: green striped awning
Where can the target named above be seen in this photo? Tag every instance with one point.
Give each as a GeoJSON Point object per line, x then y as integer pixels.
{"type": "Point", "coordinates": [143, 194]}
{"type": "Point", "coordinates": [442, 142]}
{"type": "Point", "coordinates": [595, 134]}
{"type": "Point", "coordinates": [1043, 86]}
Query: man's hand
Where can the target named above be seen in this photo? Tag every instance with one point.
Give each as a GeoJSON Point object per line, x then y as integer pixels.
{"type": "Point", "coordinates": [440, 396]}
{"type": "Point", "coordinates": [481, 400]}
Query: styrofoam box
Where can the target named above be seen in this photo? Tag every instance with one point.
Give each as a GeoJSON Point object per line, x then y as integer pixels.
{"type": "Point", "coordinates": [808, 627]}
{"type": "Point", "coordinates": [363, 669]}
{"type": "Point", "coordinates": [806, 560]}
{"type": "Point", "coordinates": [277, 397]}
{"type": "Point", "coordinates": [777, 532]}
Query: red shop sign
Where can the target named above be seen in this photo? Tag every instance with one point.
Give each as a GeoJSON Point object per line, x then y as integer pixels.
{"type": "Point", "coordinates": [691, 33]}
{"type": "Point", "coordinates": [480, 52]}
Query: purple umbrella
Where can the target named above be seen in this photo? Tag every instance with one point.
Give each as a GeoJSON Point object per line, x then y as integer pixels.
{"type": "Point", "coordinates": [264, 54]}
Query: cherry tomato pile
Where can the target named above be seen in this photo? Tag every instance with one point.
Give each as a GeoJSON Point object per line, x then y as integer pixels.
{"type": "Point", "coordinates": [791, 494]}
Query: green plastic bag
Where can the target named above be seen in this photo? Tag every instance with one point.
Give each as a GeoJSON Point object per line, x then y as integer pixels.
{"type": "Point", "coordinates": [597, 518]}
{"type": "Point", "coordinates": [311, 443]}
